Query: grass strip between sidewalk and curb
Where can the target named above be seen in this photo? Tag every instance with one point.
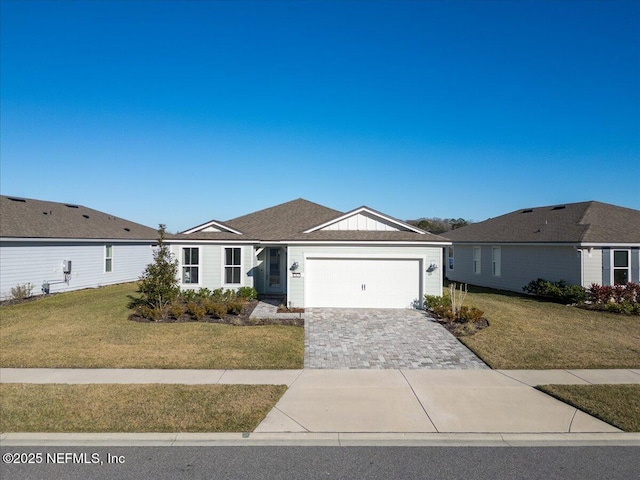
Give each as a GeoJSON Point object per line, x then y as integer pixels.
{"type": "Point", "coordinates": [618, 405]}
{"type": "Point", "coordinates": [135, 408]}
{"type": "Point", "coordinates": [90, 329]}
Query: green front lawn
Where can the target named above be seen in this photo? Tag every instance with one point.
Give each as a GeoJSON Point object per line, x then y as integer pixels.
{"type": "Point", "coordinates": [90, 329]}
{"type": "Point", "coordinates": [526, 333]}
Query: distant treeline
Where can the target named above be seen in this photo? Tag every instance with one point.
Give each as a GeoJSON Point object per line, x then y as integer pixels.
{"type": "Point", "coordinates": [439, 225]}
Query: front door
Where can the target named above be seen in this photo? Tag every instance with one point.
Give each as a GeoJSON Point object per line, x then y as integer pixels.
{"type": "Point", "coordinates": [275, 270]}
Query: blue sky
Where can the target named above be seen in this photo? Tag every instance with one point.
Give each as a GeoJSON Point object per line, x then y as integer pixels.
{"type": "Point", "coordinates": [179, 112]}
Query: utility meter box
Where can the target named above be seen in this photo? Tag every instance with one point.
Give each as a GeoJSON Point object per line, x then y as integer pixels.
{"type": "Point", "coordinates": [66, 266]}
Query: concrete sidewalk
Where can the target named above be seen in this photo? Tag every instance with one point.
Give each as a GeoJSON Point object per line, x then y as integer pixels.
{"type": "Point", "coordinates": [385, 401]}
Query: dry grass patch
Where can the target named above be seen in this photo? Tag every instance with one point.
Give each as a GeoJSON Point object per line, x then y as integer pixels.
{"type": "Point", "coordinates": [90, 329]}
{"type": "Point", "coordinates": [135, 408]}
{"type": "Point", "coordinates": [525, 333]}
{"type": "Point", "coordinates": [618, 405]}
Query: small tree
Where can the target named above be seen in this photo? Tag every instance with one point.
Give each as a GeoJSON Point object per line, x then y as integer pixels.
{"type": "Point", "coordinates": [158, 285]}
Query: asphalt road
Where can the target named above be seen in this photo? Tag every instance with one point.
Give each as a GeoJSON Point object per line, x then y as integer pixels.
{"type": "Point", "coordinates": [406, 463]}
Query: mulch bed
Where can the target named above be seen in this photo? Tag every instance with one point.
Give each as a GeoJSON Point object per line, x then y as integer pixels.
{"type": "Point", "coordinates": [458, 328]}
{"type": "Point", "coordinates": [237, 320]}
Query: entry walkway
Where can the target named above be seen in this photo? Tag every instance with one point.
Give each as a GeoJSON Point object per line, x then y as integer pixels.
{"type": "Point", "coordinates": [385, 401]}
{"type": "Point", "coordinates": [360, 338]}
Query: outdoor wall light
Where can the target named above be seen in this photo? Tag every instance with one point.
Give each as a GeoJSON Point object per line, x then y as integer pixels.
{"type": "Point", "coordinates": [432, 267]}
{"type": "Point", "coordinates": [294, 266]}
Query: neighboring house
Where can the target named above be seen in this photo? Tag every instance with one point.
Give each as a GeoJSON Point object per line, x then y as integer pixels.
{"type": "Point", "coordinates": [580, 243]}
{"type": "Point", "coordinates": [314, 256]}
{"type": "Point", "coordinates": [61, 247]}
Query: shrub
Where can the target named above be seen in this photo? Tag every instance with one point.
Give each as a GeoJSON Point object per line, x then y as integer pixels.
{"type": "Point", "coordinates": [188, 296]}
{"type": "Point", "coordinates": [248, 293]}
{"type": "Point", "coordinates": [197, 310]}
{"type": "Point", "coordinates": [556, 291]}
{"type": "Point", "coordinates": [203, 293]}
{"type": "Point", "coordinates": [235, 307]}
{"type": "Point", "coordinates": [177, 309]}
{"type": "Point", "coordinates": [21, 292]}
{"type": "Point", "coordinates": [617, 299]}
{"type": "Point", "coordinates": [433, 301]}
{"type": "Point", "coordinates": [470, 314]}
{"type": "Point", "coordinates": [152, 313]}
{"type": "Point", "coordinates": [218, 310]}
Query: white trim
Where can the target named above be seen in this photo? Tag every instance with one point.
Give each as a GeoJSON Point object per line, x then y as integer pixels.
{"type": "Point", "coordinates": [77, 240]}
{"type": "Point", "coordinates": [613, 268]}
{"type": "Point", "coordinates": [551, 244]}
{"type": "Point", "coordinates": [371, 212]}
{"type": "Point", "coordinates": [209, 224]}
{"type": "Point", "coordinates": [108, 246]}
{"type": "Point", "coordinates": [223, 264]}
{"type": "Point", "coordinates": [197, 265]}
{"type": "Point", "coordinates": [477, 271]}
{"type": "Point", "coordinates": [364, 242]}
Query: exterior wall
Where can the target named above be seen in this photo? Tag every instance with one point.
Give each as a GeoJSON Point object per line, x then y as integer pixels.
{"type": "Point", "coordinates": [211, 268]}
{"type": "Point", "coordinates": [592, 267]}
{"type": "Point", "coordinates": [37, 262]}
{"type": "Point", "coordinates": [431, 281]}
{"type": "Point", "coordinates": [519, 265]}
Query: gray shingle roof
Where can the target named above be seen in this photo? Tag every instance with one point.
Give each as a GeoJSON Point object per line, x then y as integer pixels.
{"type": "Point", "coordinates": [583, 222]}
{"type": "Point", "coordinates": [288, 221]}
{"type": "Point", "coordinates": [28, 218]}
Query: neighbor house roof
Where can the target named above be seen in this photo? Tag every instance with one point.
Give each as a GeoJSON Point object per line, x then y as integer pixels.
{"type": "Point", "coordinates": [583, 222]}
{"type": "Point", "coordinates": [28, 218]}
{"type": "Point", "coordinates": [289, 221]}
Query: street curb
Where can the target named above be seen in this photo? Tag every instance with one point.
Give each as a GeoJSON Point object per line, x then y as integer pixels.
{"type": "Point", "coordinates": [334, 439]}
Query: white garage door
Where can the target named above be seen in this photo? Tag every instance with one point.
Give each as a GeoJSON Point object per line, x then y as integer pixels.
{"type": "Point", "coordinates": [361, 283]}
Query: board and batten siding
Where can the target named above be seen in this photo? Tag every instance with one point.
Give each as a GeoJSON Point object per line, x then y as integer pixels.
{"type": "Point", "coordinates": [518, 265]}
{"type": "Point", "coordinates": [431, 281]}
{"type": "Point", "coordinates": [36, 262]}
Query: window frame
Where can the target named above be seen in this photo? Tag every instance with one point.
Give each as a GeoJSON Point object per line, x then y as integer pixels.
{"type": "Point", "coordinates": [451, 259]}
{"type": "Point", "coordinates": [614, 268]}
{"type": "Point", "coordinates": [191, 266]}
{"type": "Point", "coordinates": [232, 266]}
{"type": "Point", "coordinates": [496, 261]}
{"type": "Point", "coordinates": [108, 258]}
{"type": "Point", "coordinates": [477, 262]}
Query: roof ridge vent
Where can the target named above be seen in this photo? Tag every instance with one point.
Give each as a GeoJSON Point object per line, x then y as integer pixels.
{"type": "Point", "coordinates": [559, 207]}
{"type": "Point", "coordinates": [71, 206]}
{"type": "Point", "coordinates": [15, 199]}
{"type": "Point", "coordinates": [528, 210]}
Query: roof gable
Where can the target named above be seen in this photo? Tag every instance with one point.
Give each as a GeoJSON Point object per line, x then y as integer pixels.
{"type": "Point", "coordinates": [29, 218]}
{"type": "Point", "coordinates": [581, 222]}
{"type": "Point", "coordinates": [365, 219]}
{"type": "Point", "coordinates": [212, 226]}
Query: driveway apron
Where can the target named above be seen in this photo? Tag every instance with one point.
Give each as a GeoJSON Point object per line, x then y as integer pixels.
{"type": "Point", "coordinates": [339, 338]}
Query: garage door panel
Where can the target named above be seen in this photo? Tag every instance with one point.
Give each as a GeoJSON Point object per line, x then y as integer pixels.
{"type": "Point", "coordinates": [362, 283]}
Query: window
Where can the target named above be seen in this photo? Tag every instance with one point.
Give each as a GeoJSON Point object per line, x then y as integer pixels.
{"type": "Point", "coordinates": [476, 260]}
{"type": "Point", "coordinates": [496, 260]}
{"type": "Point", "coordinates": [232, 265]}
{"type": "Point", "coordinates": [190, 265]}
{"type": "Point", "coordinates": [108, 258]}
{"type": "Point", "coordinates": [450, 263]}
{"type": "Point", "coordinates": [620, 267]}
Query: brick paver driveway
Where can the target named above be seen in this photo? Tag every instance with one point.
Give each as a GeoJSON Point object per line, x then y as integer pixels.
{"type": "Point", "coordinates": [381, 338]}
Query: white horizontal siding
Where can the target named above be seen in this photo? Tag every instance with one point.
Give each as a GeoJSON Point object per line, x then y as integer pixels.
{"type": "Point", "coordinates": [35, 263]}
